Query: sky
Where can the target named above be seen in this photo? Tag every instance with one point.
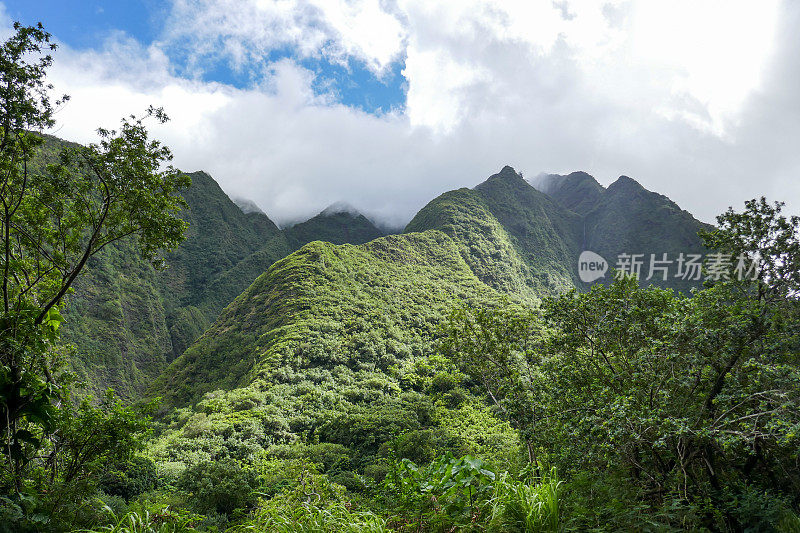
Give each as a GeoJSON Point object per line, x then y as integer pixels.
{"type": "Point", "coordinates": [385, 104]}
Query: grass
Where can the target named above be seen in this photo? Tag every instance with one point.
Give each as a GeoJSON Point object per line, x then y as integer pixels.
{"type": "Point", "coordinates": [143, 521]}
{"type": "Point", "coordinates": [311, 519]}
{"type": "Point", "coordinates": [518, 506]}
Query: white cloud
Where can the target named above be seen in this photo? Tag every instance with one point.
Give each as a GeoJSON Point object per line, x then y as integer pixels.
{"type": "Point", "coordinates": [245, 31]}
{"type": "Point", "coordinates": [614, 88]}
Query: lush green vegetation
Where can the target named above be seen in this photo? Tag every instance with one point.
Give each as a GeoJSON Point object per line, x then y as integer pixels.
{"type": "Point", "coordinates": [655, 408]}
{"type": "Point", "coordinates": [128, 321]}
{"type": "Point", "coordinates": [444, 379]}
{"type": "Point", "coordinates": [53, 219]}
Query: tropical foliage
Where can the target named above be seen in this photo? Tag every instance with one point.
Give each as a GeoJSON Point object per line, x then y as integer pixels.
{"type": "Point", "coordinates": [450, 378]}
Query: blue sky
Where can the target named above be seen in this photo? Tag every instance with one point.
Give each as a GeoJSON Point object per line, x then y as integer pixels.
{"type": "Point", "coordinates": [87, 25]}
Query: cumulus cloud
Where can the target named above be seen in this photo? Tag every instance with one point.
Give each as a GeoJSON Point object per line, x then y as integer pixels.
{"type": "Point", "coordinates": [246, 31]}
{"type": "Point", "coordinates": [698, 101]}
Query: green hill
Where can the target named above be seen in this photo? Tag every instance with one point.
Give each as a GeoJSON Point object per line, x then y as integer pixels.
{"type": "Point", "coordinates": [127, 321]}
{"type": "Point", "coordinates": [332, 337]}
{"type": "Point", "coordinates": [318, 307]}
{"type": "Point", "coordinates": [327, 335]}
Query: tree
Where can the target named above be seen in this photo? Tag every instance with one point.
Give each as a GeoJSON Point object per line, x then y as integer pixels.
{"type": "Point", "coordinates": [688, 403]}
{"type": "Point", "coordinates": [500, 349]}
{"type": "Point", "coordinates": [53, 218]}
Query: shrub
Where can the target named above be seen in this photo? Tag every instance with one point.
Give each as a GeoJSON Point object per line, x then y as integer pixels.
{"type": "Point", "coordinates": [129, 478]}
{"type": "Point", "coordinates": [219, 487]}
{"type": "Point", "coordinates": [313, 504]}
{"type": "Point", "coordinates": [143, 521]}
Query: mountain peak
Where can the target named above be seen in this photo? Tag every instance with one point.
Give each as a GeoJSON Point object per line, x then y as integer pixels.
{"type": "Point", "coordinates": [507, 170]}
{"type": "Point", "coordinates": [625, 182]}
{"type": "Point", "coordinates": [507, 177]}
{"type": "Point", "coordinates": [552, 183]}
{"type": "Point", "coordinates": [340, 207]}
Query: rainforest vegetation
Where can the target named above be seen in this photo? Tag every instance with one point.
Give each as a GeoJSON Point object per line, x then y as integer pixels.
{"type": "Point", "coordinates": [170, 362]}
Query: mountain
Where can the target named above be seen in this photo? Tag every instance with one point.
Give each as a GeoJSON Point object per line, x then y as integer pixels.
{"type": "Point", "coordinates": [335, 345]}
{"type": "Point", "coordinates": [515, 238]}
{"type": "Point", "coordinates": [337, 224]}
{"type": "Point", "coordinates": [330, 345]}
{"type": "Point", "coordinates": [333, 337]}
{"type": "Point", "coordinates": [127, 321]}
{"type": "Point", "coordinates": [626, 218]}
{"type": "Point", "coordinates": [510, 239]}
{"type": "Point", "coordinates": [219, 237]}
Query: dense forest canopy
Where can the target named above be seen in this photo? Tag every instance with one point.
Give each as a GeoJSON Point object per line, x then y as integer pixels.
{"type": "Point", "coordinates": [457, 376]}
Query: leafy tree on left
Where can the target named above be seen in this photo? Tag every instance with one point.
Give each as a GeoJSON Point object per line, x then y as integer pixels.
{"type": "Point", "coordinates": [53, 219]}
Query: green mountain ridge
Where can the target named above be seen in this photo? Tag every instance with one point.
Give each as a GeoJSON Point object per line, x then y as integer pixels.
{"type": "Point", "coordinates": [626, 218]}
{"type": "Point", "coordinates": [324, 347]}
{"type": "Point", "coordinates": [127, 321]}
{"type": "Point", "coordinates": [332, 333]}
{"type": "Point", "coordinates": [310, 308]}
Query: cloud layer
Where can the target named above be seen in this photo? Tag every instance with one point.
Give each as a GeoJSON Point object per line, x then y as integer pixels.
{"type": "Point", "coordinates": [698, 101]}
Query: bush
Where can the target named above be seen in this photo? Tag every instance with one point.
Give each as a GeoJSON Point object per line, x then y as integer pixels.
{"type": "Point", "coordinates": [314, 504]}
{"type": "Point", "coordinates": [129, 478]}
{"type": "Point", "coordinates": [219, 487]}
{"type": "Point", "coordinates": [143, 521]}
{"type": "Point", "coordinates": [334, 519]}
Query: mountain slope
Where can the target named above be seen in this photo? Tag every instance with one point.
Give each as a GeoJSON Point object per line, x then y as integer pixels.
{"type": "Point", "coordinates": [512, 237]}
{"type": "Point", "coordinates": [578, 191]}
{"type": "Point", "coordinates": [626, 218]}
{"type": "Point", "coordinates": [127, 321]}
{"type": "Point", "coordinates": [220, 235]}
{"type": "Point", "coordinates": [515, 238]}
{"type": "Point", "coordinates": [324, 306]}
{"type": "Point", "coordinates": [545, 235]}
{"type": "Point", "coordinates": [337, 224]}
{"type": "Point", "coordinates": [117, 323]}
{"type": "Point", "coordinates": [482, 241]}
